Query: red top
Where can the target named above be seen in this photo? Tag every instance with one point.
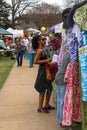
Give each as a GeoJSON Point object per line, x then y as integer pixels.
{"type": "Point", "coordinates": [55, 44]}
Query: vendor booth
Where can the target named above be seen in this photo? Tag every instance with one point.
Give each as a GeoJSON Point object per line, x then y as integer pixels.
{"type": "Point", "coordinates": [78, 22]}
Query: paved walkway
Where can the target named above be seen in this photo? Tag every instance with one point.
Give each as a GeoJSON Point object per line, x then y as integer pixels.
{"type": "Point", "coordinates": [19, 102]}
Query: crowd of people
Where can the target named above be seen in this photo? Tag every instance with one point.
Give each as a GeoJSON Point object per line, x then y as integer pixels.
{"type": "Point", "coordinates": [65, 45]}
{"type": "Point", "coordinates": [6, 42]}
{"type": "Point", "coordinates": [23, 49]}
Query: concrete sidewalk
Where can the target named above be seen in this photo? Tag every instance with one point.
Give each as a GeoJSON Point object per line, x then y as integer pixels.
{"type": "Point", "coordinates": [19, 102]}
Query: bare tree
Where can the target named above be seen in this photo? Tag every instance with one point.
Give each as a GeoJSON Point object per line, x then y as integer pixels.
{"type": "Point", "coordinates": [18, 7]}
{"type": "Point", "coordinates": [45, 8]}
{"type": "Point", "coordinates": [41, 15]}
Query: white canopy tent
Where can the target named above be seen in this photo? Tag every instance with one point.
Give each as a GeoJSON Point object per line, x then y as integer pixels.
{"type": "Point", "coordinates": [33, 30]}
{"type": "Point", "coordinates": [15, 32]}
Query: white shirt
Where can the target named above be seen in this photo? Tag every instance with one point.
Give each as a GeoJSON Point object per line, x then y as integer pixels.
{"type": "Point", "coordinates": [47, 41]}
{"type": "Point", "coordinates": [26, 42]}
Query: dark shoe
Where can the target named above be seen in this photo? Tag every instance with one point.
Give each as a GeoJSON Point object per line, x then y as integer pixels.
{"type": "Point", "coordinates": [66, 127]}
{"type": "Point", "coordinates": [49, 108]}
{"type": "Point", "coordinates": [42, 110]}
{"type": "Point", "coordinates": [30, 66]}
{"type": "Point", "coordinates": [60, 124]}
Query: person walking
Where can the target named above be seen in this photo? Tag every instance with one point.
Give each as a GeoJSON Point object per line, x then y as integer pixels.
{"type": "Point", "coordinates": [31, 53]}
{"type": "Point", "coordinates": [43, 86]}
{"type": "Point", "coordinates": [26, 43]}
{"type": "Point", "coordinates": [19, 51]}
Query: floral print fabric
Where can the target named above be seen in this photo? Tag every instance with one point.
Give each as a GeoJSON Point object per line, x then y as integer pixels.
{"type": "Point", "coordinates": [60, 58]}
{"type": "Point", "coordinates": [80, 17]}
{"type": "Point", "coordinates": [83, 38]}
{"type": "Point", "coordinates": [83, 63]}
{"type": "Point", "coordinates": [73, 48]}
{"type": "Point", "coordinates": [83, 66]}
{"type": "Point", "coordinates": [65, 45]}
{"type": "Point", "coordinates": [72, 104]}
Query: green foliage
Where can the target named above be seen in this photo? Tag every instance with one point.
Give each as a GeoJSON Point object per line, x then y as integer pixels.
{"type": "Point", "coordinates": [4, 14]}
{"type": "Point", "coordinates": [6, 65]}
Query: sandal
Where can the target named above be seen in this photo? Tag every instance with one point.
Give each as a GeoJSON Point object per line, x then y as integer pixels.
{"type": "Point", "coordinates": [49, 108]}
{"type": "Point", "coordinates": [42, 110]}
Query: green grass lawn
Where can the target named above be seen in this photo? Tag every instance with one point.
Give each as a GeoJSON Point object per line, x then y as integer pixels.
{"type": "Point", "coordinates": [6, 65]}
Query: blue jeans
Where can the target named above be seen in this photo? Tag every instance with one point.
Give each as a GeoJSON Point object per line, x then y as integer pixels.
{"type": "Point", "coordinates": [26, 53]}
{"type": "Point", "coordinates": [19, 57]}
{"type": "Point", "coordinates": [31, 58]}
{"type": "Point", "coordinates": [60, 101]}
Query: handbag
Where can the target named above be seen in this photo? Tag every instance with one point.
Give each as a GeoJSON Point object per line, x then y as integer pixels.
{"type": "Point", "coordinates": [51, 70]}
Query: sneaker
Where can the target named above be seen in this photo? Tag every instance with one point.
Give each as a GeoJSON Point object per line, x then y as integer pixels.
{"type": "Point", "coordinates": [42, 110]}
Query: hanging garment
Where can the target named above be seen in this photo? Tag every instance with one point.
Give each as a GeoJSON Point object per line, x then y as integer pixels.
{"type": "Point", "coordinates": [80, 17]}
{"type": "Point", "coordinates": [72, 104]}
{"type": "Point", "coordinates": [65, 45]}
{"type": "Point", "coordinates": [74, 43]}
{"type": "Point", "coordinates": [72, 11]}
{"type": "Point", "coordinates": [82, 52]}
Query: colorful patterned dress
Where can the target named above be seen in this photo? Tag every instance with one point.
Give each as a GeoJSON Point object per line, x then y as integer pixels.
{"type": "Point", "coordinates": [72, 103]}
